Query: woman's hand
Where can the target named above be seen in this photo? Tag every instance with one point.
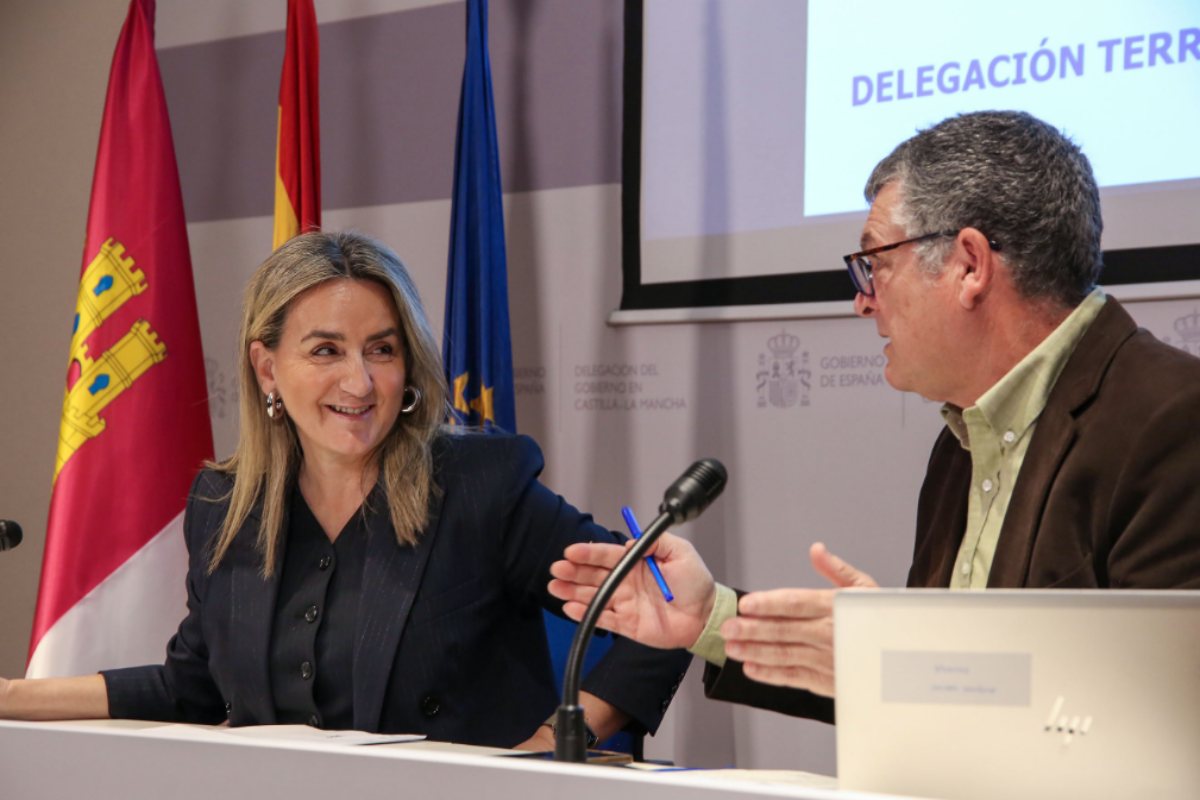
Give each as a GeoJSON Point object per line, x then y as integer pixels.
{"type": "Point", "coordinates": [602, 717]}
{"type": "Point", "coordinates": [542, 739]}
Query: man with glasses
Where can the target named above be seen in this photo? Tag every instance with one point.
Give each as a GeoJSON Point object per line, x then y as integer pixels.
{"type": "Point", "coordinates": [1071, 448]}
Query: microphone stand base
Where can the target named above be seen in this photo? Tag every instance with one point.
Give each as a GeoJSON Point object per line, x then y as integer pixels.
{"type": "Point", "coordinates": [570, 735]}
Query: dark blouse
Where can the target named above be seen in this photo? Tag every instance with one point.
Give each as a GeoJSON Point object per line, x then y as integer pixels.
{"type": "Point", "coordinates": [312, 637]}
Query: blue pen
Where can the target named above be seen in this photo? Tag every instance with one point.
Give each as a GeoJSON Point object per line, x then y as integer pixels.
{"type": "Point", "coordinates": [635, 531]}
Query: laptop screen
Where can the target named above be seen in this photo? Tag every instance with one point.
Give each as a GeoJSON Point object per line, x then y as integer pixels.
{"type": "Point", "coordinates": [1018, 693]}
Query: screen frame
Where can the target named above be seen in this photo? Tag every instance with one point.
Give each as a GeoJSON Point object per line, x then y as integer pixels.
{"type": "Point", "coordinates": [804, 294]}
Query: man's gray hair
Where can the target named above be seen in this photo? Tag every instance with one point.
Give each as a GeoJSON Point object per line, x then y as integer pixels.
{"type": "Point", "coordinates": [1019, 181]}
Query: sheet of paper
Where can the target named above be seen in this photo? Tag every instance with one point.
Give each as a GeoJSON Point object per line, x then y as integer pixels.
{"type": "Point", "coordinates": [283, 733]}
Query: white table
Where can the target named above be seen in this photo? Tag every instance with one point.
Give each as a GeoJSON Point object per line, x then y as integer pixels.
{"type": "Point", "coordinates": [127, 759]}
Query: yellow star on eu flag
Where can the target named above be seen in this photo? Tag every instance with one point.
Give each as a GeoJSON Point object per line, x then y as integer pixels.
{"type": "Point", "coordinates": [482, 407]}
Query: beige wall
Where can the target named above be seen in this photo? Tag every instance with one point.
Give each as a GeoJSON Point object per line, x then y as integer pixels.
{"type": "Point", "coordinates": [54, 59]}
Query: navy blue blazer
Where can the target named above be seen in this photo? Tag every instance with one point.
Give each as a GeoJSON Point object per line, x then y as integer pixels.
{"type": "Point", "coordinates": [449, 641]}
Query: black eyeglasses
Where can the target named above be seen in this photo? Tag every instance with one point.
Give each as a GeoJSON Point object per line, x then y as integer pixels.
{"type": "Point", "coordinates": [861, 266]}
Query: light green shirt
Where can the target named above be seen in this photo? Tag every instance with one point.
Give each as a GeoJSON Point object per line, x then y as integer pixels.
{"type": "Point", "coordinates": [997, 430]}
{"type": "Point", "coordinates": [710, 645]}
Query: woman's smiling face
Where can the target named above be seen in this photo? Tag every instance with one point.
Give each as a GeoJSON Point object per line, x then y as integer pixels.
{"type": "Point", "coordinates": [339, 368]}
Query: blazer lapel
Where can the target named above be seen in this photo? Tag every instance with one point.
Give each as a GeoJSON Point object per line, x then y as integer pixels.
{"type": "Point", "coordinates": [941, 514]}
{"type": "Point", "coordinates": [252, 610]}
{"type": "Point", "coordinates": [391, 577]}
{"type": "Point", "coordinates": [1052, 439]}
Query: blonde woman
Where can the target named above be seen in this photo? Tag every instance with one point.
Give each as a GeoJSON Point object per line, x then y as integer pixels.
{"type": "Point", "coordinates": [356, 564]}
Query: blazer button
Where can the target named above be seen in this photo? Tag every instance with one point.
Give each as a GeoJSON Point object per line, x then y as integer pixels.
{"type": "Point", "coordinates": [430, 705]}
{"type": "Point", "coordinates": [229, 709]}
{"type": "Point", "coordinates": [310, 613]}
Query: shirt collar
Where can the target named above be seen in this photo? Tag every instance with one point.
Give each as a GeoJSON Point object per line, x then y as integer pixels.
{"type": "Point", "coordinates": [1015, 401]}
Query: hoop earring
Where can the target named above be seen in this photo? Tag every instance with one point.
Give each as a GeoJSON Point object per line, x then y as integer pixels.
{"type": "Point", "coordinates": [410, 403]}
{"type": "Point", "coordinates": [274, 406]}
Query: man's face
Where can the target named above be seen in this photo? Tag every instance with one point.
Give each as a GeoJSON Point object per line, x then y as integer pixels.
{"type": "Point", "coordinates": [911, 308]}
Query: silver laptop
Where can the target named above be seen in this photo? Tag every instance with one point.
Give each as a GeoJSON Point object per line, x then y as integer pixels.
{"type": "Point", "coordinates": [1018, 694]}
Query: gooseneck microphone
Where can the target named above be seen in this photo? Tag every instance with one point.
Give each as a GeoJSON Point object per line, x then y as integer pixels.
{"type": "Point", "coordinates": [686, 498]}
{"type": "Point", "coordinates": [10, 534]}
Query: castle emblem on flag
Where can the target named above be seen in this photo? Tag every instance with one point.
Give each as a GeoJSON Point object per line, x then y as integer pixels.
{"type": "Point", "coordinates": [109, 281]}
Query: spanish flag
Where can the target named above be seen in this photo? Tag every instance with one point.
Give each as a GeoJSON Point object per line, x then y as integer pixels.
{"type": "Point", "coordinates": [135, 426]}
{"type": "Point", "coordinates": [298, 144]}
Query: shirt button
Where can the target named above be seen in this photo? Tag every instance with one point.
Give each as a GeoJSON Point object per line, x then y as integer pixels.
{"type": "Point", "coordinates": [430, 705]}
{"type": "Point", "coordinates": [1010, 437]}
{"type": "Point", "coordinates": [310, 613]}
{"type": "Point", "coordinates": [966, 568]}
{"type": "Point", "coordinates": [306, 669]}
{"type": "Point", "coordinates": [325, 561]}
{"type": "Point", "coordinates": [987, 487]}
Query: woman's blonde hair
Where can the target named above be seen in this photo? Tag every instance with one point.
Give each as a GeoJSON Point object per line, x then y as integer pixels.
{"type": "Point", "coordinates": [268, 455]}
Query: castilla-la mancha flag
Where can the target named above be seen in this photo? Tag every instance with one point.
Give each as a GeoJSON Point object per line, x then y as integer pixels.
{"type": "Point", "coordinates": [135, 426]}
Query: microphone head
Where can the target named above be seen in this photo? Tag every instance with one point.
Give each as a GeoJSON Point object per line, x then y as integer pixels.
{"type": "Point", "coordinates": [10, 534]}
{"type": "Point", "coordinates": [691, 493]}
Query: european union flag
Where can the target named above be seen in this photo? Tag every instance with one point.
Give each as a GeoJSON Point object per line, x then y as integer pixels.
{"type": "Point", "coordinates": [475, 342]}
{"type": "Point", "coordinates": [476, 345]}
